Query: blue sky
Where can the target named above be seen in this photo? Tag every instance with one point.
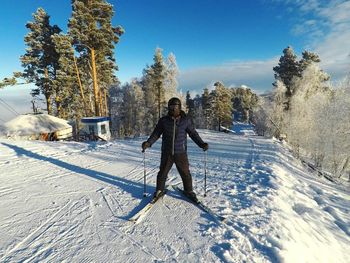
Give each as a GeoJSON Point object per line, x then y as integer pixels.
{"type": "Point", "coordinates": [237, 42]}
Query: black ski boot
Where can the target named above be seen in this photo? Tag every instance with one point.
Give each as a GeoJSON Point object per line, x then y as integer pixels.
{"type": "Point", "coordinates": [192, 195]}
{"type": "Point", "coordinates": [157, 194]}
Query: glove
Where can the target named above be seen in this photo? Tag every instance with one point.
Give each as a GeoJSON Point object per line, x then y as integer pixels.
{"type": "Point", "coordinates": [145, 145]}
{"type": "Point", "coordinates": [205, 146]}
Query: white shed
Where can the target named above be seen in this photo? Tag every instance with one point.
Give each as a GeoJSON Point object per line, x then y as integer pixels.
{"type": "Point", "coordinates": [96, 126]}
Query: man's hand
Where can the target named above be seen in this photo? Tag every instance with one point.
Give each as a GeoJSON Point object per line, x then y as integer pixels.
{"type": "Point", "coordinates": [145, 145]}
{"type": "Point", "coordinates": [205, 146]}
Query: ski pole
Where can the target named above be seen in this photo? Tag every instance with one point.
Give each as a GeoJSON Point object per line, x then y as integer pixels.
{"type": "Point", "coordinates": [205, 173]}
{"type": "Point", "coordinates": [144, 173]}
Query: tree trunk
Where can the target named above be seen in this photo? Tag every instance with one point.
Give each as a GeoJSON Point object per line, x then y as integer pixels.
{"type": "Point", "coordinates": [47, 93]}
{"type": "Point", "coordinates": [86, 108]}
{"type": "Point", "coordinates": [159, 102]}
{"type": "Point", "coordinates": [101, 102]}
{"type": "Point", "coordinates": [106, 105]}
{"type": "Point", "coordinates": [95, 86]}
{"type": "Point", "coordinates": [59, 107]}
{"type": "Point", "coordinates": [48, 103]}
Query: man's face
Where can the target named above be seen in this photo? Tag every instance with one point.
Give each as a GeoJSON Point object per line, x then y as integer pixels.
{"type": "Point", "coordinates": [174, 110]}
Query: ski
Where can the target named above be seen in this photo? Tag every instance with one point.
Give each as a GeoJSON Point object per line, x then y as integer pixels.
{"type": "Point", "coordinates": [137, 218]}
{"type": "Point", "coordinates": [203, 207]}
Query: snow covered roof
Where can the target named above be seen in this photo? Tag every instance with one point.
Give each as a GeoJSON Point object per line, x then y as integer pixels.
{"type": "Point", "coordinates": [94, 119]}
{"type": "Point", "coordinates": [28, 124]}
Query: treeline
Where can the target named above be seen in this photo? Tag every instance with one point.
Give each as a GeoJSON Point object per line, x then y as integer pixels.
{"type": "Point", "coordinates": [137, 106]}
{"type": "Point", "coordinates": [216, 109]}
{"type": "Point", "coordinates": [311, 113]}
{"type": "Point", "coordinates": [72, 70]}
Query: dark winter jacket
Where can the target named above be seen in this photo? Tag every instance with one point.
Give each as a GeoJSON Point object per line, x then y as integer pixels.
{"type": "Point", "coordinates": [174, 133]}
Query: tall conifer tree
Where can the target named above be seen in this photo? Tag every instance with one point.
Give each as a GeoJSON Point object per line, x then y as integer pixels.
{"type": "Point", "coordinates": [222, 106]}
{"type": "Point", "coordinates": [287, 69]}
{"type": "Point", "coordinates": [158, 78]}
{"type": "Point", "coordinates": [153, 82]}
{"type": "Point", "coordinates": [94, 38]}
{"type": "Point", "coordinates": [40, 61]}
{"type": "Point", "coordinates": [307, 59]}
{"type": "Point", "coordinates": [206, 108]}
{"type": "Point", "coordinates": [68, 97]}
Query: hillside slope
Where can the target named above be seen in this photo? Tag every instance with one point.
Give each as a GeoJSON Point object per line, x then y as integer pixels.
{"type": "Point", "coordinates": [71, 201]}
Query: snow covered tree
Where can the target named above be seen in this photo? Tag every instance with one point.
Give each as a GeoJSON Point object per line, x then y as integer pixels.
{"type": "Point", "coordinates": [94, 38]}
{"type": "Point", "coordinates": [302, 120]}
{"type": "Point", "coordinates": [260, 116]}
{"type": "Point", "coordinates": [170, 81]}
{"type": "Point", "coordinates": [342, 132]}
{"type": "Point", "coordinates": [333, 120]}
{"type": "Point", "coordinates": [277, 115]}
{"type": "Point", "coordinates": [40, 61]}
{"type": "Point", "coordinates": [312, 80]}
{"type": "Point", "coordinates": [133, 113]}
{"type": "Point", "coordinates": [116, 95]}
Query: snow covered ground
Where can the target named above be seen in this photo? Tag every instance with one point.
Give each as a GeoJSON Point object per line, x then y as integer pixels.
{"type": "Point", "coordinates": [69, 201]}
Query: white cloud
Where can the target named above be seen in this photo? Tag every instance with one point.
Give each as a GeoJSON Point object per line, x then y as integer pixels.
{"type": "Point", "coordinates": [329, 34]}
{"type": "Point", "coordinates": [325, 25]}
{"type": "Point", "coordinates": [326, 28]}
{"type": "Point", "coordinates": [256, 74]}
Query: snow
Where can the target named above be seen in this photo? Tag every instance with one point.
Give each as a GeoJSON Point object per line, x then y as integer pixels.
{"type": "Point", "coordinates": [29, 124]}
{"type": "Point", "coordinates": [70, 201]}
{"type": "Point", "coordinates": [241, 128]}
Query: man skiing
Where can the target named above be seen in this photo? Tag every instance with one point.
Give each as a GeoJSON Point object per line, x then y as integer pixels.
{"type": "Point", "coordinates": [174, 127]}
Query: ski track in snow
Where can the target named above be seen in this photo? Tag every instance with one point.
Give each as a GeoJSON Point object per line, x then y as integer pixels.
{"type": "Point", "coordinates": [69, 201]}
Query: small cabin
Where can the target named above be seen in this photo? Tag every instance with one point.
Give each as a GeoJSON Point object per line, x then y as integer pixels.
{"type": "Point", "coordinates": [96, 128]}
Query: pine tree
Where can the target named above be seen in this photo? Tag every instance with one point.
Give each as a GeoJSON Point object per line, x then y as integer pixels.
{"type": "Point", "coordinates": [158, 80]}
{"type": "Point", "coordinates": [222, 106]}
{"type": "Point", "coordinates": [308, 58]}
{"type": "Point", "coordinates": [152, 83]}
{"type": "Point", "coordinates": [8, 82]}
{"type": "Point", "coordinates": [149, 100]}
{"type": "Point", "coordinates": [40, 61]}
{"type": "Point", "coordinates": [198, 113]}
{"type": "Point", "coordinates": [206, 108]}
{"type": "Point", "coordinates": [69, 94]}
{"type": "Point", "coordinates": [287, 69]}
{"type": "Point", "coordinates": [189, 104]}
{"type": "Point", "coordinates": [94, 38]}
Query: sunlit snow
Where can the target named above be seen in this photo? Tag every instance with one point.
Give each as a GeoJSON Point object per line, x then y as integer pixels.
{"type": "Point", "coordinates": [70, 201]}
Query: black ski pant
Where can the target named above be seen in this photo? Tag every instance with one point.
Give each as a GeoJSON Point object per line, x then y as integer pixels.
{"type": "Point", "coordinates": [182, 165]}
